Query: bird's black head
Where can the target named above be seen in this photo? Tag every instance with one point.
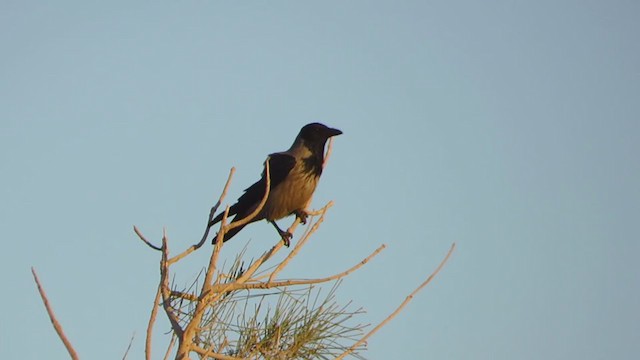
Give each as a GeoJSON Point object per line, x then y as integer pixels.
{"type": "Point", "coordinates": [317, 133]}
{"type": "Point", "coordinates": [313, 137]}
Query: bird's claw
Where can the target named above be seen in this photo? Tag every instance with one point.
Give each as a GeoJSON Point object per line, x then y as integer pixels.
{"type": "Point", "coordinates": [286, 238]}
{"type": "Point", "coordinates": [302, 215]}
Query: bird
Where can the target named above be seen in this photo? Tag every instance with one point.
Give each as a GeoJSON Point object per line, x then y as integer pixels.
{"type": "Point", "coordinates": [293, 176]}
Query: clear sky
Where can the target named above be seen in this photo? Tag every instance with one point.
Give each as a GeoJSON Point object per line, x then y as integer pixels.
{"type": "Point", "coordinates": [509, 127]}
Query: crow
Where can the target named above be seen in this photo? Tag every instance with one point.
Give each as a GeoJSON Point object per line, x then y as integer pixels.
{"type": "Point", "coordinates": [293, 176]}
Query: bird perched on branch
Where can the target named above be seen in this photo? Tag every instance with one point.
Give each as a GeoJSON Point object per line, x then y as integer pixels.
{"type": "Point", "coordinates": [293, 176]}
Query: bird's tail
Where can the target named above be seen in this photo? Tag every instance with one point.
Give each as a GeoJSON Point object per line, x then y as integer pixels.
{"type": "Point", "coordinates": [236, 217]}
{"type": "Point", "coordinates": [229, 234]}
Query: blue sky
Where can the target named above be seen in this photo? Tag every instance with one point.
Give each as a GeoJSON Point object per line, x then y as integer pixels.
{"type": "Point", "coordinates": [511, 128]}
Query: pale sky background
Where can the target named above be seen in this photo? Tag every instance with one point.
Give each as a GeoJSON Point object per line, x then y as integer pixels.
{"type": "Point", "coordinates": [511, 128]}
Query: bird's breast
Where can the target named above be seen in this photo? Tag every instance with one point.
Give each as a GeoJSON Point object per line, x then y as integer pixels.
{"type": "Point", "coordinates": [291, 194]}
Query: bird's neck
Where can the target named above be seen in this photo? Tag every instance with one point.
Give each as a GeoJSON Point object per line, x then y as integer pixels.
{"type": "Point", "coordinates": [314, 160]}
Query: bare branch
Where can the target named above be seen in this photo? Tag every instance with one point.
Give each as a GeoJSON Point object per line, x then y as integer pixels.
{"type": "Point", "coordinates": [257, 210]}
{"type": "Point", "coordinates": [52, 317]}
{"type": "Point", "coordinates": [327, 154]}
{"type": "Point", "coordinates": [211, 215]}
{"type": "Point", "coordinates": [144, 239]}
{"type": "Point", "coordinates": [399, 308]}
{"type": "Point", "coordinates": [165, 289]}
{"type": "Point", "coordinates": [152, 320]}
{"type": "Point", "coordinates": [170, 347]}
{"type": "Point", "coordinates": [213, 261]}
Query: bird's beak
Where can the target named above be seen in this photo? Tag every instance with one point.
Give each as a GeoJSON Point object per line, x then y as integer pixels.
{"type": "Point", "coordinates": [333, 132]}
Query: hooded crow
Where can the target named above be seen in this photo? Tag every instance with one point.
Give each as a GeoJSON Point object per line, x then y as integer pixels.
{"type": "Point", "coordinates": [293, 176]}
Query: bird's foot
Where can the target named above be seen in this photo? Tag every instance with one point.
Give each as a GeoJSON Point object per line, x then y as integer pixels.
{"type": "Point", "coordinates": [286, 237]}
{"type": "Point", "coordinates": [302, 215]}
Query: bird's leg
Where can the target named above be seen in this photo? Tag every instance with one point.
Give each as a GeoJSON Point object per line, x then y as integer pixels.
{"type": "Point", "coordinates": [286, 236]}
{"type": "Point", "coordinates": [302, 215]}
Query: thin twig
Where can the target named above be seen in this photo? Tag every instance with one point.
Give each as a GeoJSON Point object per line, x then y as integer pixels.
{"type": "Point", "coordinates": [129, 347]}
{"type": "Point", "coordinates": [217, 247]}
{"type": "Point", "coordinates": [144, 239]}
{"type": "Point", "coordinates": [257, 210]}
{"type": "Point", "coordinates": [52, 317]}
{"type": "Point", "coordinates": [195, 247]}
{"type": "Point", "coordinates": [152, 320]}
{"type": "Point", "coordinates": [327, 154]}
{"type": "Point", "coordinates": [165, 289]}
{"type": "Point", "coordinates": [214, 209]}
{"type": "Point", "coordinates": [399, 308]}
{"type": "Point", "coordinates": [170, 347]}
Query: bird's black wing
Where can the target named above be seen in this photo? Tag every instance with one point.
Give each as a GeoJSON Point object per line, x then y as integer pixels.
{"type": "Point", "coordinates": [280, 164]}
